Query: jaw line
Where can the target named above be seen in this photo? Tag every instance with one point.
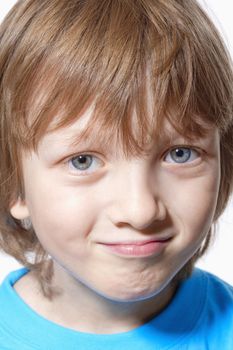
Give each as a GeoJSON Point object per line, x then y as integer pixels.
{"type": "Point", "coordinates": [110, 299]}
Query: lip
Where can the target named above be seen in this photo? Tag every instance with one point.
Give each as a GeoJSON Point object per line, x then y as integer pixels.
{"type": "Point", "coordinates": [144, 248]}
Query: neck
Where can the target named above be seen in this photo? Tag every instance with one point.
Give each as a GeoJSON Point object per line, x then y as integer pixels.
{"type": "Point", "coordinates": [82, 309]}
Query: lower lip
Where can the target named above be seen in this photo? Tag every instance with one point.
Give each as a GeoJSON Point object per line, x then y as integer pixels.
{"type": "Point", "coordinates": [138, 250]}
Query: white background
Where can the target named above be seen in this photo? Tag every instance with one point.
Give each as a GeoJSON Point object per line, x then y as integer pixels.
{"type": "Point", "coordinates": [219, 259]}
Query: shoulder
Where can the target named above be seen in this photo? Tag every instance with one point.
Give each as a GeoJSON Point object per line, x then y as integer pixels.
{"type": "Point", "coordinates": [10, 311]}
{"type": "Point", "coordinates": [206, 305]}
{"type": "Point", "coordinates": [206, 296]}
{"type": "Point", "coordinates": [217, 288]}
{"type": "Point", "coordinates": [217, 311]}
{"type": "Point", "coordinates": [12, 278]}
{"type": "Point", "coordinates": [217, 293]}
{"type": "Point", "coordinates": [8, 297]}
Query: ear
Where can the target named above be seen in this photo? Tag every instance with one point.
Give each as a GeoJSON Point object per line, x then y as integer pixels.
{"type": "Point", "coordinates": [19, 209]}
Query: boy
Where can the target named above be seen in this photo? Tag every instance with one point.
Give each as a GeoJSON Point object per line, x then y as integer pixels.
{"type": "Point", "coordinates": [116, 161]}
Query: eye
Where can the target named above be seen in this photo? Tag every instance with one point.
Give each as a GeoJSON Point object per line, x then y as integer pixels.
{"type": "Point", "coordinates": [181, 155]}
{"type": "Point", "coordinates": [85, 164]}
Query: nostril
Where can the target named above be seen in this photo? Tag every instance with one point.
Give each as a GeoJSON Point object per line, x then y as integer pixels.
{"type": "Point", "coordinates": [141, 216]}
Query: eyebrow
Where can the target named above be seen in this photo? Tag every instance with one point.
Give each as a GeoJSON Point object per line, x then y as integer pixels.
{"type": "Point", "coordinates": [170, 133]}
{"type": "Point", "coordinates": [93, 141]}
{"type": "Point", "coordinates": [76, 139]}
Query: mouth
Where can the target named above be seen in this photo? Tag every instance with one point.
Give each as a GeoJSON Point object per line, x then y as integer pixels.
{"type": "Point", "coordinates": [145, 248]}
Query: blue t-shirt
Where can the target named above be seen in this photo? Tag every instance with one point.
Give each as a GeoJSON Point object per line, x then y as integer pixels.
{"type": "Point", "coordinates": [200, 316]}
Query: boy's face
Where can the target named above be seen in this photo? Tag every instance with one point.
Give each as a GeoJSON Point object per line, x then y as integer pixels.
{"type": "Point", "coordinates": [123, 227]}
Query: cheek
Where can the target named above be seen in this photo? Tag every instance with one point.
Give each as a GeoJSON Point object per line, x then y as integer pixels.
{"type": "Point", "coordinates": [192, 204]}
{"type": "Point", "coordinates": [61, 216]}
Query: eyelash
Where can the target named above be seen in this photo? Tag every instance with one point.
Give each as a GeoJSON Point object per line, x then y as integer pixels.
{"type": "Point", "coordinates": [100, 163]}
{"type": "Point", "coordinates": [87, 171]}
{"type": "Point", "coordinates": [191, 153]}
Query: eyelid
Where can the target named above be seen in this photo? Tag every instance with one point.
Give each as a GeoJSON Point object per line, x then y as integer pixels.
{"type": "Point", "coordinates": [86, 172]}
{"type": "Point", "coordinates": [72, 155]}
{"type": "Point", "coordinates": [196, 149]}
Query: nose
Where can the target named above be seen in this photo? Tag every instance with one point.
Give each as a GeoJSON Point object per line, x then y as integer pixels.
{"type": "Point", "coordinates": [136, 201]}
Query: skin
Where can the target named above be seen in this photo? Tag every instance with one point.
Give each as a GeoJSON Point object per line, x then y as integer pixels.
{"type": "Point", "coordinates": [75, 213]}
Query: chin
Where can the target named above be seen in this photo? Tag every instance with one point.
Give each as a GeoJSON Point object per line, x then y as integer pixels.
{"type": "Point", "coordinates": [138, 294]}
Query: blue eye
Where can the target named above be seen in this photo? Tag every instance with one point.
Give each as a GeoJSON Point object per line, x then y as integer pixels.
{"type": "Point", "coordinates": [82, 162]}
{"type": "Point", "coordinates": [181, 155]}
{"type": "Point", "coordinates": [85, 163]}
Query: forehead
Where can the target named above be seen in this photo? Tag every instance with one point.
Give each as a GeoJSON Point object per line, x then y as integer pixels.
{"type": "Point", "coordinates": [133, 122]}
{"type": "Point", "coordinates": [87, 133]}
